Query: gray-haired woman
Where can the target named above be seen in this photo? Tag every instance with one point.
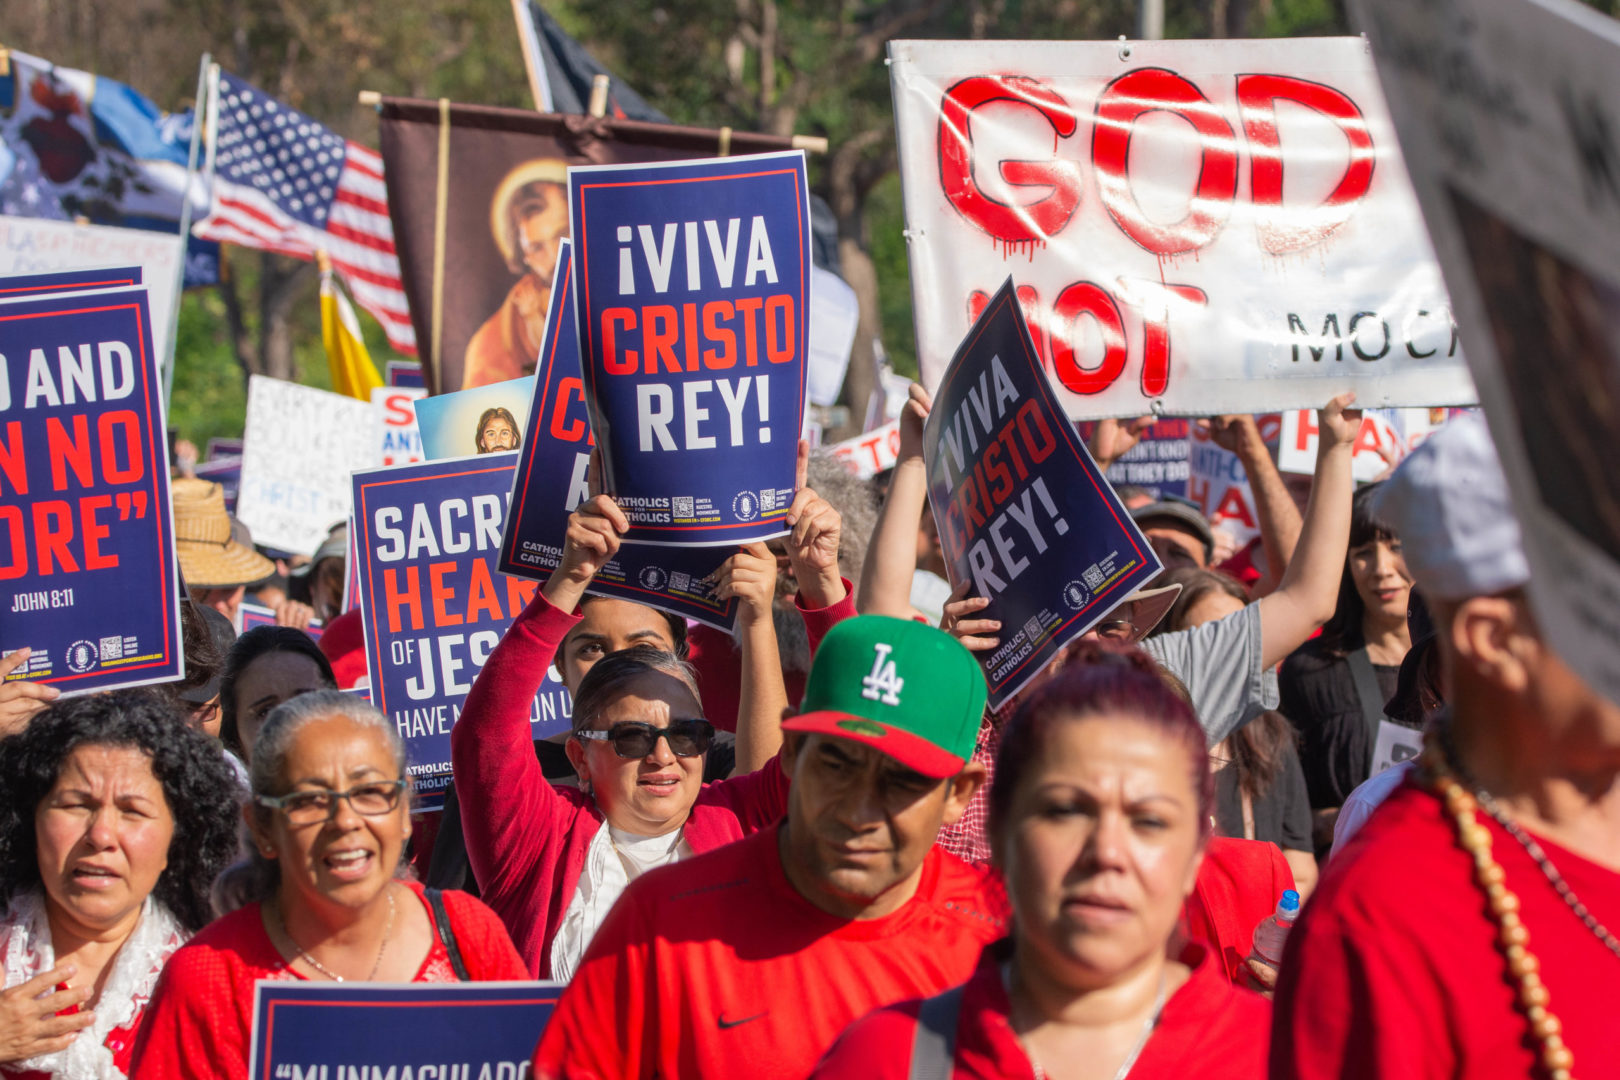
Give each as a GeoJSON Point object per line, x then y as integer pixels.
{"type": "Point", "coordinates": [328, 819]}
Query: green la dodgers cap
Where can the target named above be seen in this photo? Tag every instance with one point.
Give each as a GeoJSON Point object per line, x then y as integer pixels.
{"type": "Point", "coordinates": [899, 686]}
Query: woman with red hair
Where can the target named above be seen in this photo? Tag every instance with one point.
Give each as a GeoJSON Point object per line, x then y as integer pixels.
{"type": "Point", "coordinates": [1099, 817]}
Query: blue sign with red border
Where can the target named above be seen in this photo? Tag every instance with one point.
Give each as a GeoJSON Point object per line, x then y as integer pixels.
{"type": "Point", "coordinates": [89, 582]}
{"type": "Point", "coordinates": [433, 603]}
{"type": "Point", "coordinates": [25, 286]}
{"type": "Point", "coordinates": [693, 309]}
{"type": "Point", "coordinates": [330, 1031]}
{"type": "Point", "coordinates": [551, 481]}
{"type": "Point", "coordinates": [1022, 510]}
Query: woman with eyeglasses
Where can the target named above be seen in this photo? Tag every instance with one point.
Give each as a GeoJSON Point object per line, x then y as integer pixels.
{"type": "Point", "coordinates": [550, 860]}
{"type": "Point", "coordinates": [327, 821]}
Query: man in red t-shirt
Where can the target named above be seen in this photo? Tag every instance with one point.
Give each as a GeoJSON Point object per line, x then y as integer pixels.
{"type": "Point", "coordinates": [750, 960]}
{"type": "Point", "coordinates": [1439, 948]}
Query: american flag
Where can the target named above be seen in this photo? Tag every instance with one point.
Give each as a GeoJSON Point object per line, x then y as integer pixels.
{"type": "Point", "coordinates": [282, 182]}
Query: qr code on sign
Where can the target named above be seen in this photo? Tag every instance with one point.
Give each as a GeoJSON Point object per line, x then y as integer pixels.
{"type": "Point", "coordinates": [681, 506]}
{"type": "Point", "coordinates": [1093, 576]}
{"type": "Point", "coordinates": [767, 500]}
{"type": "Point", "coordinates": [1032, 629]}
{"type": "Point", "coordinates": [112, 648]}
{"type": "Point", "coordinates": [680, 582]}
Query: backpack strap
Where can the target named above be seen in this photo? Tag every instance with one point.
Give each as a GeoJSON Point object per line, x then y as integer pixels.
{"type": "Point", "coordinates": [1371, 698]}
{"type": "Point", "coordinates": [933, 1051]}
{"type": "Point", "coordinates": [446, 932]}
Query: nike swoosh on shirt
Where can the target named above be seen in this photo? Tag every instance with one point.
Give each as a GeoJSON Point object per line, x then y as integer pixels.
{"type": "Point", "coordinates": [726, 1025]}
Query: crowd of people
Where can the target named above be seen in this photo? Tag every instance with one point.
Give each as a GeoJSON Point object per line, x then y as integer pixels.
{"type": "Point", "coordinates": [810, 849]}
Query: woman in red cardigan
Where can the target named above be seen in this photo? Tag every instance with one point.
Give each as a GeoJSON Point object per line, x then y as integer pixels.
{"type": "Point", "coordinates": [540, 854]}
{"type": "Point", "coordinates": [328, 817]}
{"type": "Point", "coordinates": [1099, 816]}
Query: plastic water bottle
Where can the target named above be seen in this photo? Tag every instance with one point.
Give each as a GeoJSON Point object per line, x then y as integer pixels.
{"type": "Point", "coordinates": [1270, 935]}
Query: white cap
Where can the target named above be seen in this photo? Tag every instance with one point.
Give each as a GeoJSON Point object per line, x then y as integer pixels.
{"type": "Point", "coordinates": [1448, 502]}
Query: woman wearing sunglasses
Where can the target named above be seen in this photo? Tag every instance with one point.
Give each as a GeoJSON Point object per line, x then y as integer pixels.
{"type": "Point", "coordinates": [327, 824]}
{"type": "Point", "coordinates": [541, 855]}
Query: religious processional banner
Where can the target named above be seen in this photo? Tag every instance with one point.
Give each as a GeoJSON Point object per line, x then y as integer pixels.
{"type": "Point", "coordinates": [479, 200]}
{"type": "Point", "coordinates": [1194, 227]}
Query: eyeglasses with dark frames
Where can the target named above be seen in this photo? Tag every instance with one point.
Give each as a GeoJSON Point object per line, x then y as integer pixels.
{"type": "Point", "coordinates": [634, 739]}
{"type": "Point", "coordinates": [319, 805]}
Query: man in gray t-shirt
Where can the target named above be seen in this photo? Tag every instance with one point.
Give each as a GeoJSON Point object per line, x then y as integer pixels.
{"type": "Point", "coordinates": [1227, 665]}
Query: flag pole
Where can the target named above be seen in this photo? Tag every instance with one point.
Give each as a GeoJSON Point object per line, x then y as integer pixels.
{"type": "Point", "coordinates": [198, 118]}
{"type": "Point", "coordinates": [533, 63]}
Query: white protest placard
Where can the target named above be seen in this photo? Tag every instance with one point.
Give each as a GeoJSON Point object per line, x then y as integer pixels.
{"type": "Point", "coordinates": [399, 438]}
{"type": "Point", "coordinates": [869, 454]}
{"type": "Point", "coordinates": [1508, 114]}
{"type": "Point", "coordinates": [299, 447]}
{"type": "Point", "coordinates": [37, 246]}
{"type": "Point", "coordinates": [1202, 227]}
{"type": "Point", "coordinates": [1379, 445]}
{"type": "Point", "coordinates": [1219, 484]}
{"type": "Point", "coordinates": [834, 315]}
{"type": "Point", "coordinates": [1395, 743]}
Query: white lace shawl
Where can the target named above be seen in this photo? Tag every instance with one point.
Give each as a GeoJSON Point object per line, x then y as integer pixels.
{"type": "Point", "coordinates": [25, 950]}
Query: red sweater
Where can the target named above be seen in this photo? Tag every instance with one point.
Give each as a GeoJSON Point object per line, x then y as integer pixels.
{"type": "Point", "coordinates": [200, 1022]}
{"type": "Point", "coordinates": [527, 840]}
{"type": "Point", "coordinates": [718, 967]}
{"type": "Point", "coordinates": [1209, 1029]}
{"type": "Point", "coordinates": [1394, 969]}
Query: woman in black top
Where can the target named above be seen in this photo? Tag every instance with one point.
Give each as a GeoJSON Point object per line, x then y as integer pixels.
{"type": "Point", "coordinates": [1334, 688]}
{"type": "Point", "coordinates": [1259, 786]}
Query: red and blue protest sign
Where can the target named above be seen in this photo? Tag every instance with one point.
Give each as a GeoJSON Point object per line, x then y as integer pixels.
{"type": "Point", "coordinates": [551, 482]}
{"type": "Point", "coordinates": [89, 584]}
{"type": "Point", "coordinates": [454, 1031]}
{"type": "Point", "coordinates": [433, 604]}
{"type": "Point", "coordinates": [693, 309]}
{"type": "Point", "coordinates": [1022, 510]}
{"type": "Point", "coordinates": [61, 281]}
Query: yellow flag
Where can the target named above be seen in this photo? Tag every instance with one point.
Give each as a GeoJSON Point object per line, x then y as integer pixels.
{"type": "Point", "coordinates": [353, 373]}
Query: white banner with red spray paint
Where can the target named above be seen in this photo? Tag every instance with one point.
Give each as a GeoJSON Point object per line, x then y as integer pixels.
{"type": "Point", "coordinates": [1195, 227]}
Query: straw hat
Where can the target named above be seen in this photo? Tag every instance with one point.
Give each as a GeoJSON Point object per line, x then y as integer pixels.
{"type": "Point", "coordinates": [209, 557]}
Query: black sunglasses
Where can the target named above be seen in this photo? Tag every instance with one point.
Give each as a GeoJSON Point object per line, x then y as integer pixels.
{"type": "Point", "coordinates": [634, 739]}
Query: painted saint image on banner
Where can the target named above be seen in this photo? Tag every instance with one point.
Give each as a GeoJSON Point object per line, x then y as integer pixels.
{"type": "Point", "coordinates": [528, 215]}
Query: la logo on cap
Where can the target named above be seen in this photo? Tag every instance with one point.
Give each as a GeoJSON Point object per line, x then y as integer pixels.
{"type": "Point", "coordinates": [882, 683]}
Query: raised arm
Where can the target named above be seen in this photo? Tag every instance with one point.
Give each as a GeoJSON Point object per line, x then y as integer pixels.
{"type": "Point", "coordinates": [505, 798]}
{"type": "Point", "coordinates": [891, 557]}
{"type": "Point", "coordinates": [1309, 590]}
{"type": "Point", "coordinates": [1280, 522]}
{"type": "Point", "coordinates": [750, 576]}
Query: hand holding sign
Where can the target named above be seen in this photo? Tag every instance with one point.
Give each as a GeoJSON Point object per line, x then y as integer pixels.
{"type": "Point", "coordinates": [1113, 439]}
{"type": "Point", "coordinates": [1338, 423]}
{"type": "Point", "coordinates": [1232, 431]}
{"type": "Point", "coordinates": [813, 543]}
{"type": "Point", "coordinates": [750, 576]}
{"type": "Point", "coordinates": [968, 631]}
{"type": "Point", "coordinates": [593, 537]}
{"type": "Point", "coordinates": [19, 698]}
{"type": "Point", "coordinates": [913, 416]}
